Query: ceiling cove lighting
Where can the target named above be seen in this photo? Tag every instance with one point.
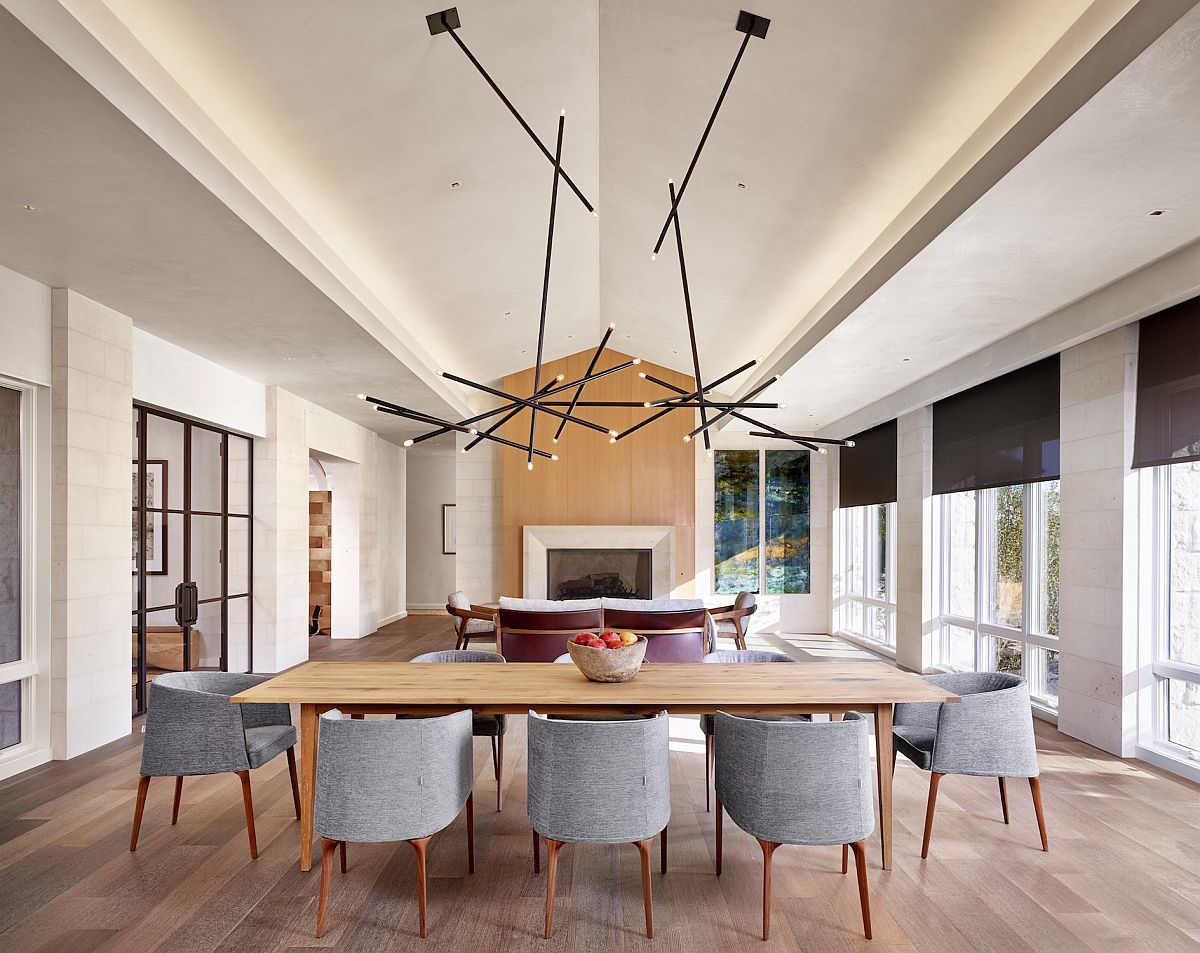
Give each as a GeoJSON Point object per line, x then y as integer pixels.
{"type": "Point", "coordinates": [447, 21]}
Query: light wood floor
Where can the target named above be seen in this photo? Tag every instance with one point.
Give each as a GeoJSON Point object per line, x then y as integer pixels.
{"type": "Point", "coordinates": [1123, 874]}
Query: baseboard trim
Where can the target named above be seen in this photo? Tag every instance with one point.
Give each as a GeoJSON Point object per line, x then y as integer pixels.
{"type": "Point", "coordinates": [389, 619]}
{"type": "Point", "coordinates": [427, 609]}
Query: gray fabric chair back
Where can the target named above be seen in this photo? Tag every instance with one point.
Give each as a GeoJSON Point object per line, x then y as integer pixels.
{"type": "Point", "coordinates": [796, 782]}
{"type": "Point", "coordinates": [733, 656]}
{"type": "Point", "coordinates": [191, 728]}
{"type": "Point", "coordinates": [458, 600]}
{"type": "Point", "coordinates": [460, 655]}
{"type": "Point", "coordinates": [989, 733]}
{"type": "Point", "coordinates": [745, 600]}
{"type": "Point", "coordinates": [599, 782]}
{"type": "Point", "coordinates": [385, 780]}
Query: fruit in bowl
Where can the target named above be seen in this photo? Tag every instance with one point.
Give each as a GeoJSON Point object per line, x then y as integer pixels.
{"type": "Point", "coordinates": [609, 656]}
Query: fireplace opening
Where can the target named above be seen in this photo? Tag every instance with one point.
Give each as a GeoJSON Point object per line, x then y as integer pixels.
{"type": "Point", "coordinates": [595, 573]}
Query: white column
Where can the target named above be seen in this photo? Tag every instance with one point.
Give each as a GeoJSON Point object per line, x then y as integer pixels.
{"type": "Point", "coordinates": [281, 536]}
{"type": "Point", "coordinates": [1098, 548]}
{"type": "Point", "coordinates": [91, 601]}
{"type": "Point", "coordinates": [916, 606]}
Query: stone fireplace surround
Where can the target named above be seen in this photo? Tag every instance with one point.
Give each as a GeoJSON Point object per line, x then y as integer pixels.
{"type": "Point", "coordinates": [536, 540]}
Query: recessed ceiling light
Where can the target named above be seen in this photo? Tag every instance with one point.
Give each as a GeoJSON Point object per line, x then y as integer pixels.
{"type": "Point", "coordinates": [522, 351]}
{"type": "Point", "coordinates": [741, 185]}
{"type": "Point", "coordinates": [289, 358]}
{"type": "Point", "coordinates": [1157, 211]}
{"type": "Point", "coordinates": [30, 208]}
{"type": "Point", "coordinates": [907, 359]}
{"type": "Point", "coordinates": [507, 313]}
{"type": "Point", "coordinates": [570, 336]}
{"type": "Point", "coordinates": [456, 184]}
{"type": "Point", "coordinates": [628, 337]}
{"type": "Point", "coordinates": [674, 350]}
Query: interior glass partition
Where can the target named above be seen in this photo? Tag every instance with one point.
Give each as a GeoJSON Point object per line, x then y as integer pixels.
{"type": "Point", "coordinates": [192, 554]}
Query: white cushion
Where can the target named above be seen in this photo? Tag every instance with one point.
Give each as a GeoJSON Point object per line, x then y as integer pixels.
{"type": "Point", "coordinates": [548, 605]}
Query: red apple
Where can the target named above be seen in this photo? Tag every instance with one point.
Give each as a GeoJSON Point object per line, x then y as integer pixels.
{"type": "Point", "coordinates": [616, 645]}
{"type": "Point", "coordinates": [596, 643]}
{"type": "Point", "coordinates": [582, 638]}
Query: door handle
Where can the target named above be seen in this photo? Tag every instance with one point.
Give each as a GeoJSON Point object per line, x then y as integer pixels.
{"type": "Point", "coordinates": [187, 604]}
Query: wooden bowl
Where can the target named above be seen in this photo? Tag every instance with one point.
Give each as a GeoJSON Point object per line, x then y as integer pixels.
{"type": "Point", "coordinates": [608, 665]}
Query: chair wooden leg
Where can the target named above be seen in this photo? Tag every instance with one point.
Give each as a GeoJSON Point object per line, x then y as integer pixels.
{"type": "Point", "coordinates": [720, 816]}
{"type": "Point", "coordinates": [740, 639]}
{"type": "Point", "coordinates": [420, 845]}
{"type": "Point", "coordinates": [708, 766]}
{"type": "Point", "coordinates": [1003, 798]}
{"type": "Point", "coordinates": [537, 854]}
{"type": "Point", "coordinates": [768, 849]}
{"type": "Point", "coordinates": [471, 833]}
{"type": "Point", "coordinates": [1035, 788]}
{"type": "Point", "coordinates": [552, 848]}
{"type": "Point", "coordinates": [178, 795]}
{"type": "Point", "coordinates": [643, 847]}
{"type": "Point", "coordinates": [248, 801]}
{"type": "Point", "coordinates": [342, 852]}
{"type": "Point", "coordinates": [291, 756]}
{"type": "Point", "coordinates": [895, 755]}
{"type": "Point", "coordinates": [845, 857]}
{"type": "Point", "coordinates": [864, 899]}
{"type": "Point", "coordinates": [139, 806]}
{"type": "Point", "coordinates": [662, 851]}
{"type": "Point", "coordinates": [327, 848]}
{"type": "Point", "coordinates": [499, 772]}
{"type": "Point", "coordinates": [934, 778]}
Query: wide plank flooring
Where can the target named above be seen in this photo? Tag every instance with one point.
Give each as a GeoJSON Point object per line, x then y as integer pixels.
{"type": "Point", "coordinates": [1123, 873]}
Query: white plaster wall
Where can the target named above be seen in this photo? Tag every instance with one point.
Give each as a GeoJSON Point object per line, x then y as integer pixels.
{"type": "Point", "coordinates": [24, 328]}
{"type": "Point", "coordinates": [477, 493]}
{"type": "Point", "coordinates": [171, 378]}
{"type": "Point", "coordinates": [92, 379]}
{"type": "Point", "coordinates": [431, 483]}
{"type": "Point", "coordinates": [1098, 550]}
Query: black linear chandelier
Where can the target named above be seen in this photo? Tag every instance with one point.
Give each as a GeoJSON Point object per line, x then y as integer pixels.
{"type": "Point", "coordinates": [539, 401]}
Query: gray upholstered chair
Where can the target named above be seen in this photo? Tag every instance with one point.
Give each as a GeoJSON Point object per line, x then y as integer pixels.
{"type": "Point", "coordinates": [988, 734]}
{"type": "Point", "coordinates": [492, 727]}
{"type": "Point", "coordinates": [192, 729]}
{"type": "Point", "coordinates": [470, 621]}
{"type": "Point", "coordinates": [599, 782]}
{"type": "Point", "coordinates": [794, 782]}
{"type": "Point", "coordinates": [733, 621]}
{"type": "Point", "coordinates": [383, 780]}
{"type": "Point", "coordinates": [733, 657]}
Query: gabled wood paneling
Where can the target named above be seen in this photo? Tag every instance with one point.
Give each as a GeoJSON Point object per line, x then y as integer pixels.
{"type": "Point", "coordinates": [648, 478]}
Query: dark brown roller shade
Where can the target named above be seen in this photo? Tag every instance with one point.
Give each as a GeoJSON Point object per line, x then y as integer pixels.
{"type": "Point", "coordinates": [1001, 432]}
{"type": "Point", "coordinates": [867, 471]}
{"type": "Point", "coordinates": [1167, 424]}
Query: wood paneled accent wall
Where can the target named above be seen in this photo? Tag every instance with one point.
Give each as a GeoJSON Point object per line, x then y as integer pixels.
{"type": "Point", "coordinates": [320, 555]}
{"type": "Point", "coordinates": [647, 479]}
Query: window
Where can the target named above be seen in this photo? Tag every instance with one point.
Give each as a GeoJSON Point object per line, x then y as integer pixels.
{"type": "Point", "coordinates": [999, 583]}
{"type": "Point", "coordinates": [1175, 687]}
{"type": "Point", "coordinates": [868, 546]}
{"type": "Point", "coordinates": [761, 506]}
{"type": "Point", "coordinates": [14, 646]}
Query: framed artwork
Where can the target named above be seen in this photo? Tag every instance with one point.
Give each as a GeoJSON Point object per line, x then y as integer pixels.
{"type": "Point", "coordinates": [155, 530]}
{"type": "Point", "coordinates": [449, 530]}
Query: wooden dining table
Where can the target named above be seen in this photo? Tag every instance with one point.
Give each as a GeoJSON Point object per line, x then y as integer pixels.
{"type": "Point", "coordinates": [385, 688]}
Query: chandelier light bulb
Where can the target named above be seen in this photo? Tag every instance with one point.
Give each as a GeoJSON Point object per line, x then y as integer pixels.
{"type": "Point", "coordinates": [653, 255]}
{"type": "Point", "coordinates": [554, 456]}
{"type": "Point", "coordinates": [687, 438]}
{"type": "Point", "coordinates": [612, 439]}
{"type": "Point", "coordinates": [472, 431]}
{"type": "Point", "coordinates": [595, 213]}
{"type": "Point", "coordinates": [849, 443]}
{"type": "Point", "coordinates": [645, 403]}
{"type": "Point", "coordinates": [361, 396]}
{"type": "Point", "coordinates": [642, 375]}
{"type": "Point", "coordinates": [408, 443]}
{"type": "Point", "coordinates": [612, 433]}
{"type": "Point", "coordinates": [637, 360]}
{"type": "Point", "coordinates": [821, 450]}
{"type": "Point", "coordinates": [529, 465]}
{"type": "Point", "coordinates": [560, 377]}
{"type": "Point", "coordinates": [612, 326]}
{"type": "Point", "coordinates": [554, 440]}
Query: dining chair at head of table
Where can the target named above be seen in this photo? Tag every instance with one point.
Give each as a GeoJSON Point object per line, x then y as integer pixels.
{"type": "Point", "coordinates": [470, 621]}
{"type": "Point", "coordinates": [797, 782]}
{"type": "Point", "coordinates": [192, 729]}
{"type": "Point", "coordinates": [382, 780]}
{"type": "Point", "coordinates": [540, 635]}
{"type": "Point", "coordinates": [733, 621]}
{"type": "Point", "coordinates": [492, 727]}
{"type": "Point", "coordinates": [676, 635]}
{"type": "Point", "coordinates": [989, 733]}
{"type": "Point", "coordinates": [576, 765]}
{"type": "Point", "coordinates": [736, 657]}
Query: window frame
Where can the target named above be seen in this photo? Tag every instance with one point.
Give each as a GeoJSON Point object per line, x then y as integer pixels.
{"type": "Point", "coordinates": [849, 599]}
{"type": "Point", "coordinates": [986, 633]}
{"type": "Point", "coordinates": [1155, 625]}
{"type": "Point", "coordinates": [29, 671]}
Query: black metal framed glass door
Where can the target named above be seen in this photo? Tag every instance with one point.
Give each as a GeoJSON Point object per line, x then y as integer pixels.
{"type": "Point", "coordinates": [192, 559]}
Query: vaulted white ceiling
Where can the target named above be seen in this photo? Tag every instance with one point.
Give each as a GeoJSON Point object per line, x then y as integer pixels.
{"type": "Point", "coordinates": [861, 132]}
